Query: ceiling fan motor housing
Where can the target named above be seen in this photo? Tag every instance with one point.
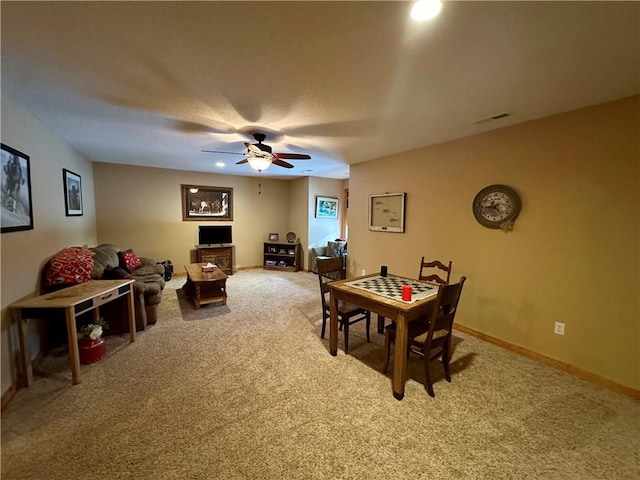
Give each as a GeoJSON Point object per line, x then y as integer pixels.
{"type": "Point", "coordinates": [260, 137]}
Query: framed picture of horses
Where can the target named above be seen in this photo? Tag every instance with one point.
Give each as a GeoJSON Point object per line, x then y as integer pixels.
{"type": "Point", "coordinates": [17, 210]}
{"type": "Point", "coordinates": [72, 193]}
{"type": "Point", "coordinates": [202, 203]}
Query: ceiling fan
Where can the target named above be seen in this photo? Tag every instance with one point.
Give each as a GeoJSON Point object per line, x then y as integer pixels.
{"type": "Point", "coordinates": [260, 156]}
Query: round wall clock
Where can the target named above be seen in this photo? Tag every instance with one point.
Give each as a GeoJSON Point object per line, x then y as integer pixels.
{"type": "Point", "coordinates": [497, 206]}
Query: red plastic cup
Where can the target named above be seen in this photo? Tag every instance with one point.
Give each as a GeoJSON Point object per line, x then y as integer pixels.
{"type": "Point", "coordinates": [406, 293]}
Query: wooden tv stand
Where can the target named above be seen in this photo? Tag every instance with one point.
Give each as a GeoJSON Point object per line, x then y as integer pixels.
{"type": "Point", "coordinates": [220, 255]}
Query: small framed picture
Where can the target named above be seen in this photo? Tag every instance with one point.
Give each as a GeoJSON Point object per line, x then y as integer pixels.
{"type": "Point", "coordinates": [326, 207]}
{"type": "Point", "coordinates": [17, 210]}
{"type": "Point", "coordinates": [273, 237]}
{"type": "Point", "coordinates": [72, 193]}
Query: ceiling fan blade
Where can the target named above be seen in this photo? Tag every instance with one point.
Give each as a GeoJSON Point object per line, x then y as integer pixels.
{"type": "Point", "coordinates": [242, 161]}
{"type": "Point", "coordinates": [281, 163]}
{"type": "Point", "coordinates": [292, 156]}
{"type": "Point", "coordinates": [226, 153]}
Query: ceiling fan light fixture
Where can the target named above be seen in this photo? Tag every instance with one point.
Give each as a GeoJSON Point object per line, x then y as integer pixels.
{"type": "Point", "coordinates": [259, 164]}
{"type": "Point", "coordinates": [423, 10]}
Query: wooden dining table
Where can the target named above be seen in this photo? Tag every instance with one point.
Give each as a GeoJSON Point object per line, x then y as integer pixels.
{"type": "Point", "coordinates": [386, 306]}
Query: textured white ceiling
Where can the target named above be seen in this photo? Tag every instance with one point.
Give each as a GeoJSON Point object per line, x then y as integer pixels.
{"type": "Point", "coordinates": [154, 83]}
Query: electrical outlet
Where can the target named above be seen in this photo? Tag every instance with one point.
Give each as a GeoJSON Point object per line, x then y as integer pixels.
{"type": "Point", "coordinates": [558, 329]}
{"type": "Point", "coordinates": [363, 272]}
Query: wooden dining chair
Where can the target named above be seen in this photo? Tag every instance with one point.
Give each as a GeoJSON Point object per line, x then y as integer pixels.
{"type": "Point", "coordinates": [432, 339]}
{"type": "Point", "coordinates": [435, 271]}
{"type": "Point", "coordinates": [329, 270]}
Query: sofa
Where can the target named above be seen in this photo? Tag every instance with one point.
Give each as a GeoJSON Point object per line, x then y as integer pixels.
{"type": "Point", "coordinates": [337, 248]}
{"type": "Point", "coordinates": [108, 262]}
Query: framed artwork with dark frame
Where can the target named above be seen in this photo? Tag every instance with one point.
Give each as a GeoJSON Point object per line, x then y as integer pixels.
{"type": "Point", "coordinates": [202, 203]}
{"type": "Point", "coordinates": [15, 178]}
{"type": "Point", "coordinates": [386, 212]}
{"type": "Point", "coordinates": [72, 184]}
{"type": "Point", "coordinates": [273, 237]}
{"type": "Point", "coordinates": [326, 207]}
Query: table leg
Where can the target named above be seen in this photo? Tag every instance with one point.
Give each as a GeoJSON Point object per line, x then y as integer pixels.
{"type": "Point", "coordinates": [400, 357]}
{"type": "Point", "coordinates": [380, 324]}
{"type": "Point", "coordinates": [333, 325]}
{"type": "Point", "coordinates": [196, 298]}
{"type": "Point", "coordinates": [224, 291]}
{"type": "Point", "coordinates": [132, 314]}
{"type": "Point", "coordinates": [25, 370]}
{"type": "Point", "coordinates": [74, 353]}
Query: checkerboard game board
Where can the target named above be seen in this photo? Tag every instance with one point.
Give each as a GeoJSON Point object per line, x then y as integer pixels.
{"type": "Point", "coordinates": [391, 287]}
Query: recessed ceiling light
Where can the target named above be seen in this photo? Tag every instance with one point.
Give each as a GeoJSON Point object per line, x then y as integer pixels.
{"type": "Point", "coordinates": [219, 164]}
{"type": "Point", "coordinates": [425, 9]}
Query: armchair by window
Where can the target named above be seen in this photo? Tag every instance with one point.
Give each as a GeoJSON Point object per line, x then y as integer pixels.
{"type": "Point", "coordinates": [337, 248]}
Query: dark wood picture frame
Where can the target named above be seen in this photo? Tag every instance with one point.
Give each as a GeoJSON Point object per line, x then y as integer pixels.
{"type": "Point", "coordinates": [202, 203]}
{"type": "Point", "coordinates": [72, 185]}
{"type": "Point", "coordinates": [15, 178]}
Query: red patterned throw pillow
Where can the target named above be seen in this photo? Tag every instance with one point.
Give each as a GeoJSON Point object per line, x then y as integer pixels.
{"type": "Point", "coordinates": [129, 260]}
{"type": "Point", "coordinates": [70, 266]}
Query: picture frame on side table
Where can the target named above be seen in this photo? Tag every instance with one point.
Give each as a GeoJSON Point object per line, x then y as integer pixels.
{"type": "Point", "coordinates": [72, 185]}
{"type": "Point", "coordinates": [15, 178]}
{"type": "Point", "coordinates": [200, 203]}
{"type": "Point", "coordinates": [273, 237]}
{"type": "Point", "coordinates": [326, 207]}
{"type": "Point", "coordinates": [387, 212]}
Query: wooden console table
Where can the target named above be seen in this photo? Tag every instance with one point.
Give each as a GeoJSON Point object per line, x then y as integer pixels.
{"type": "Point", "coordinates": [71, 301]}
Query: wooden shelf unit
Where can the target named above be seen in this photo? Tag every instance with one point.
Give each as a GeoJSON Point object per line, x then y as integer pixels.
{"type": "Point", "coordinates": [220, 255]}
{"type": "Point", "coordinates": [282, 256]}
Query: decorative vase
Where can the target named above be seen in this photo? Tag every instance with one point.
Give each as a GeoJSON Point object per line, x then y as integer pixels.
{"type": "Point", "coordinates": [91, 351]}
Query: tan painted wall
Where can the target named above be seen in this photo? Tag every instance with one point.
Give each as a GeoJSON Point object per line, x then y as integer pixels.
{"type": "Point", "coordinates": [573, 256]}
{"type": "Point", "coordinates": [24, 252]}
{"type": "Point", "coordinates": [323, 230]}
{"type": "Point", "coordinates": [298, 215]}
{"type": "Point", "coordinates": [141, 208]}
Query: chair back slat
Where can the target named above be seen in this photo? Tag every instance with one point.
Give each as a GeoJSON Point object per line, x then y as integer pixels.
{"type": "Point", "coordinates": [441, 274]}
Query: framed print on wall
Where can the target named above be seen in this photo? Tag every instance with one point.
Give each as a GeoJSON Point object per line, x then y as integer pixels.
{"type": "Point", "coordinates": [17, 210]}
{"type": "Point", "coordinates": [72, 193]}
{"type": "Point", "coordinates": [202, 203]}
{"type": "Point", "coordinates": [326, 207]}
{"type": "Point", "coordinates": [386, 212]}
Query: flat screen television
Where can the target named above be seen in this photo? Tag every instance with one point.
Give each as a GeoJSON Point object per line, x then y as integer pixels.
{"type": "Point", "coordinates": [214, 234]}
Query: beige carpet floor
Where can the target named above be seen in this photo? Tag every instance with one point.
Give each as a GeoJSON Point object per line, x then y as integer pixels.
{"type": "Point", "coordinates": [249, 391]}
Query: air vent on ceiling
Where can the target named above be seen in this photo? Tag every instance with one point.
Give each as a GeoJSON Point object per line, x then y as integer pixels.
{"type": "Point", "coordinates": [491, 118]}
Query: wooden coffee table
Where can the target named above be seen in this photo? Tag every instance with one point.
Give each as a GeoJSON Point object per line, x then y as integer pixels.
{"type": "Point", "coordinates": [205, 287]}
